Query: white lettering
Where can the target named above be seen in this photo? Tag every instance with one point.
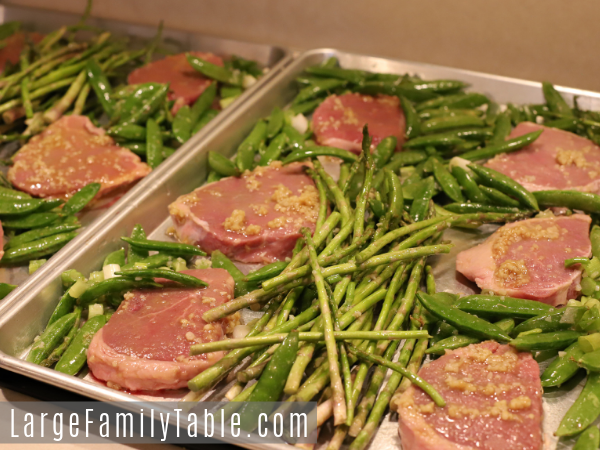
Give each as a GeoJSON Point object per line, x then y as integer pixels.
{"type": "Point", "coordinates": [58, 429]}
{"type": "Point", "coordinates": [88, 422]}
{"type": "Point", "coordinates": [141, 423]}
{"type": "Point", "coordinates": [29, 425]}
{"type": "Point", "coordinates": [12, 423]}
{"type": "Point", "coordinates": [42, 415]}
{"type": "Point", "coordinates": [298, 417]}
{"type": "Point", "coordinates": [105, 425]}
{"type": "Point", "coordinates": [193, 423]}
{"type": "Point", "coordinates": [235, 425]}
{"type": "Point", "coordinates": [165, 426]}
{"type": "Point", "coordinates": [212, 424]}
{"type": "Point", "coordinates": [260, 425]}
{"type": "Point", "coordinates": [125, 416]}
{"type": "Point", "coordinates": [152, 422]}
{"type": "Point", "coordinates": [74, 422]}
{"type": "Point", "coordinates": [178, 411]}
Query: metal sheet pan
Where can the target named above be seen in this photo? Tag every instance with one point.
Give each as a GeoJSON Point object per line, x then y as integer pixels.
{"type": "Point", "coordinates": [147, 204]}
{"type": "Point", "coordinates": [174, 41]}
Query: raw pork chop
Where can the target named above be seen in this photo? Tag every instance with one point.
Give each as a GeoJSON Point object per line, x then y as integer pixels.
{"type": "Point", "coordinates": [145, 346]}
{"type": "Point", "coordinates": [493, 402]}
{"type": "Point", "coordinates": [339, 120]}
{"type": "Point", "coordinates": [555, 160]}
{"type": "Point", "coordinates": [526, 259]}
{"type": "Point", "coordinates": [254, 219]}
{"type": "Point", "coordinates": [14, 45]}
{"type": "Point", "coordinates": [69, 154]}
{"type": "Point", "coordinates": [186, 84]}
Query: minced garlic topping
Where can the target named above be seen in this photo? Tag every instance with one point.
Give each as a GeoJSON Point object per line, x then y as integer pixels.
{"type": "Point", "coordinates": [512, 273]}
{"type": "Point", "coordinates": [511, 235]}
{"type": "Point", "coordinates": [571, 157]}
{"type": "Point", "coordinates": [237, 223]}
{"type": "Point", "coordinates": [306, 204]}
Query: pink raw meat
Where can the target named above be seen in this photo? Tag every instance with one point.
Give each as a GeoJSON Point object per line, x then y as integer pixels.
{"type": "Point", "coordinates": [14, 46]}
{"type": "Point", "coordinates": [339, 120]}
{"type": "Point", "coordinates": [493, 402]}
{"type": "Point", "coordinates": [71, 153]}
{"type": "Point", "coordinates": [255, 218]}
{"type": "Point", "coordinates": [186, 83]}
{"type": "Point", "coordinates": [555, 160]}
{"type": "Point", "coordinates": [526, 259]}
{"type": "Point", "coordinates": [145, 346]}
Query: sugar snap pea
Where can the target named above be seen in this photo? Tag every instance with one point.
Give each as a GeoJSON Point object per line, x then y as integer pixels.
{"type": "Point", "coordinates": [451, 343]}
{"type": "Point", "coordinates": [555, 340]}
{"type": "Point", "coordinates": [585, 201]}
{"type": "Point", "coordinates": [495, 197]}
{"type": "Point", "coordinates": [508, 146]}
{"type": "Point", "coordinates": [212, 177]}
{"type": "Point", "coordinates": [153, 144]}
{"type": "Point", "coordinates": [295, 138]}
{"type": "Point", "coordinates": [447, 139]}
{"type": "Point", "coordinates": [305, 107]}
{"type": "Point", "coordinates": [10, 194]}
{"type": "Point", "coordinates": [6, 289]}
{"type": "Point", "coordinates": [395, 195]}
{"type": "Point", "coordinates": [37, 249]}
{"type": "Point", "coordinates": [135, 254]}
{"type": "Point", "coordinates": [314, 151]}
{"type": "Point", "coordinates": [143, 103]}
{"type": "Point", "coordinates": [34, 220]}
{"type": "Point", "coordinates": [275, 124]}
{"type": "Point", "coordinates": [595, 238]}
{"type": "Point", "coordinates": [274, 150]}
{"type": "Point", "coordinates": [101, 86]}
{"type": "Point", "coordinates": [249, 146]}
{"type": "Point", "coordinates": [50, 338]}
{"type": "Point", "coordinates": [112, 286]}
{"type": "Point", "coordinates": [515, 113]}
{"type": "Point", "coordinates": [456, 101]}
{"type": "Point", "coordinates": [469, 185]}
{"type": "Point", "coordinates": [322, 87]}
{"type": "Point", "coordinates": [590, 361]}
{"type": "Point", "coordinates": [421, 199]}
{"type": "Point", "coordinates": [266, 272]}
{"type": "Point", "coordinates": [181, 278]}
{"type": "Point", "coordinates": [242, 287]}
{"type": "Point", "coordinates": [213, 71]}
{"type": "Point", "coordinates": [384, 151]}
{"type": "Point", "coordinates": [563, 368]}
{"type": "Point", "coordinates": [149, 262]}
{"type": "Point", "coordinates": [39, 233]}
{"type": "Point", "coordinates": [585, 410]}
{"type": "Point", "coordinates": [174, 248]}
{"type": "Point", "coordinates": [182, 124]}
{"type": "Point", "coordinates": [502, 128]}
{"type": "Point", "coordinates": [204, 120]}
{"type": "Point", "coordinates": [462, 321]}
{"type": "Point", "coordinates": [221, 164]}
{"type": "Point", "coordinates": [566, 123]}
{"type": "Point", "coordinates": [354, 76]}
{"type": "Point", "coordinates": [502, 306]}
{"type": "Point", "coordinates": [81, 198]}
{"type": "Point", "coordinates": [19, 207]}
{"type": "Point", "coordinates": [506, 185]}
{"type": "Point", "coordinates": [588, 440]}
{"type": "Point", "coordinates": [469, 208]}
{"type": "Point", "coordinates": [556, 103]}
{"type": "Point", "coordinates": [203, 103]}
{"type": "Point", "coordinates": [445, 123]}
{"type": "Point", "coordinates": [413, 122]}
{"type": "Point", "coordinates": [447, 182]}
{"type": "Point", "coordinates": [75, 356]}
{"type": "Point", "coordinates": [116, 257]}
{"type": "Point", "coordinates": [561, 319]}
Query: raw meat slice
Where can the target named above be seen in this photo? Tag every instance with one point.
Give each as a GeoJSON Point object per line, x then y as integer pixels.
{"type": "Point", "coordinates": [186, 84]}
{"type": "Point", "coordinates": [526, 259]}
{"type": "Point", "coordinates": [255, 218]}
{"type": "Point", "coordinates": [145, 346]}
{"type": "Point", "coordinates": [14, 45]}
{"type": "Point", "coordinates": [339, 120]}
{"type": "Point", "coordinates": [71, 153]}
{"type": "Point", "coordinates": [493, 402]}
{"type": "Point", "coordinates": [555, 160]}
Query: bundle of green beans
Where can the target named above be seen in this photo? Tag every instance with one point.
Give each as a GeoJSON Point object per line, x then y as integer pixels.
{"type": "Point", "coordinates": [64, 75]}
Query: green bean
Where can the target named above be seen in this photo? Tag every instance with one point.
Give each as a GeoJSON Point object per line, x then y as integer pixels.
{"type": "Point", "coordinates": [502, 306]}
{"type": "Point", "coordinates": [50, 338]}
{"type": "Point", "coordinates": [448, 183]}
{"type": "Point", "coordinates": [204, 120]}
{"type": "Point", "coordinates": [505, 185]}
{"type": "Point", "coordinates": [116, 257]}
{"type": "Point", "coordinates": [181, 278]}
{"type": "Point", "coordinates": [112, 286]}
{"type": "Point", "coordinates": [314, 151]}
{"type": "Point", "coordinates": [563, 368]}
{"type": "Point", "coordinates": [37, 249]}
{"type": "Point", "coordinates": [471, 208]}
{"type": "Point", "coordinates": [153, 144]}
{"type": "Point", "coordinates": [74, 358]}
{"type": "Point", "coordinates": [81, 198]}
{"type": "Point", "coordinates": [469, 185]}
{"type": "Point", "coordinates": [354, 76]}
{"type": "Point", "coordinates": [182, 124]}
{"type": "Point", "coordinates": [444, 123]}
{"type": "Point", "coordinates": [413, 122]}
{"type": "Point", "coordinates": [462, 321]}
{"type": "Point", "coordinates": [175, 248]}
{"type": "Point", "coordinates": [274, 150]}
{"type": "Point", "coordinates": [436, 140]}
{"type": "Point", "coordinates": [498, 198]}
{"type": "Point", "coordinates": [585, 201]}
{"type": "Point", "coordinates": [588, 440]}
{"type": "Point", "coordinates": [315, 90]}
{"type": "Point", "coordinates": [556, 340]}
{"type": "Point", "coordinates": [502, 128]}
{"type": "Point", "coordinates": [221, 164]}
{"type": "Point", "coordinates": [508, 146]}
{"type": "Point", "coordinates": [249, 146]}
{"type": "Point", "coordinates": [242, 286]}
{"type": "Point", "coordinates": [556, 103]}
{"type": "Point", "coordinates": [585, 410]}
{"type": "Point", "coordinates": [305, 107]}
{"type": "Point", "coordinates": [213, 71]}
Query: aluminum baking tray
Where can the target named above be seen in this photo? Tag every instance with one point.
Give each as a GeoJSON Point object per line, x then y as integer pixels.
{"type": "Point", "coordinates": [174, 41]}
{"type": "Point", "coordinates": [147, 204]}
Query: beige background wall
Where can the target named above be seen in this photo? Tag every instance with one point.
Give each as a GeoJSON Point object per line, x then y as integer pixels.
{"type": "Point", "coordinates": [555, 40]}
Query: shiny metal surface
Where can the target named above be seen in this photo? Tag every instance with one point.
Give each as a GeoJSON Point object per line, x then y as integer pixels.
{"type": "Point", "coordinates": [174, 41]}
{"type": "Point", "coordinates": [28, 310]}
